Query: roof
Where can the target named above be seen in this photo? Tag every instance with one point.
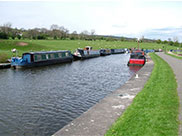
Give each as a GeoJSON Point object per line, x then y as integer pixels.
{"type": "Point", "coordinates": [44, 52]}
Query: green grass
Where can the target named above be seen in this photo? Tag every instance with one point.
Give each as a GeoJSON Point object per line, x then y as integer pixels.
{"type": "Point", "coordinates": [178, 57]}
{"type": "Point", "coordinates": [39, 45]}
{"type": "Point", "coordinates": [154, 111]}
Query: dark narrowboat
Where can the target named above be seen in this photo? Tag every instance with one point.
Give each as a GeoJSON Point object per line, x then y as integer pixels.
{"type": "Point", "coordinates": [104, 52]}
{"type": "Point", "coordinates": [137, 58]}
{"type": "Point", "coordinates": [34, 59]}
{"type": "Point", "coordinates": [117, 51]}
{"type": "Point", "coordinates": [86, 53]}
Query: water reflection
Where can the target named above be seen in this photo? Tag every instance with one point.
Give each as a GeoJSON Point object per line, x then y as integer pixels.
{"type": "Point", "coordinates": [135, 68]}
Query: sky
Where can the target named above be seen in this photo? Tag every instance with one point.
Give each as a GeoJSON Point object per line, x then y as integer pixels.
{"type": "Point", "coordinates": [154, 19]}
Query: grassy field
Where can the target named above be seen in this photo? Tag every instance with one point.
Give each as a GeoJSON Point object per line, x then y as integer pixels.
{"type": "Point", "coordinates": [39, 45]}
{"type": "Point", "coordinates": [154, 111]}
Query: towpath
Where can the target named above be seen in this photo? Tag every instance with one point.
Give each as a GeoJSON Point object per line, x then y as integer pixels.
{"type": "Point", "coordinates": [97, 120]}
{"type": "Point", "coordinates": [176, 65]}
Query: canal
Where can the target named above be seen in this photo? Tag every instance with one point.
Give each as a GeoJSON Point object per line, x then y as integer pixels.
{"type": "Point", "coordinates": [40, 101]}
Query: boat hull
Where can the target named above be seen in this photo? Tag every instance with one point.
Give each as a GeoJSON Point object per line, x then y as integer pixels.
{"type": "Point", "coordinates": [43, 63]}
{"type": "Point", "coordinates": [85, 56]}
{"type": "Point", "coordinates": [136, 62]}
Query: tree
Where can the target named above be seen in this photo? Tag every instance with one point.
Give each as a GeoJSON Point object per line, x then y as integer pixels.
{"type": "Point", "coordinates": [74, 35]}
{"type": "Point", "coordinates": [176, 43]}
{"type": "Point", "coordinates": [54, 27]}
{"type": "Point", "coordinates": [92, 32]}
{"type": "Point", "coordinates": [84, 35]}
{"type": "Point", "coordinates": [122, 39]}
{"type": "Point", "coordinates": [171, 43]}
{"type": "Point", "coordinates": [6, 28]}
{"type": "Point", "coordinates": [159, 41]}
{"type": "Point", "coordinates": [165, 42]}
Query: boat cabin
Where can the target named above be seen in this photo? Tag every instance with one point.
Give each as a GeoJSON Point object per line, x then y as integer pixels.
{"type": "Point", "coordinates": [42, 58]}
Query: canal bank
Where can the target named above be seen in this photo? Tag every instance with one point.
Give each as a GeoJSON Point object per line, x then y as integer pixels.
{"type": "Point", "coordinates": [97, 120]}
{"type": "Point", "coordinates": [5, 65]}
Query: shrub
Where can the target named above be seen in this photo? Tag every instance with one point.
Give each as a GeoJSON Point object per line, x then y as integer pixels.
{"type": "Point", "coordinates": [41, 37]}
{"type": "Point", "coordinates": [3, 36]}
{"type": "Point", "coordinates": [3, 57]}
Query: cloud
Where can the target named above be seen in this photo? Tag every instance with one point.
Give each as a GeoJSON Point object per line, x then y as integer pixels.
{"type": "Point", "coordinates": [164, 33]}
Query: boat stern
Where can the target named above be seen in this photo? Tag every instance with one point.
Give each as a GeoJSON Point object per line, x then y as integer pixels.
{"type": "Point", "coordinates": [16, 62]}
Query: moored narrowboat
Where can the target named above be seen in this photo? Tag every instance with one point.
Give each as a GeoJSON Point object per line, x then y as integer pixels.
{"type": "Point", "coordinates": [86, 53]}
{"type": "Point", "coordinates": [137, 58]}
{"type": "Point", "coordinates": [104, 52]}
{"type": "Point", "coordinates": [34, 59]}
{"type": "Point", "coordinates": [117, 51]}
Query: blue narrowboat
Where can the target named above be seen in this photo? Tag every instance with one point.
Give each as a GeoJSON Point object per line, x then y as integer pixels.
{"type": "Point", "coordinates": [34, 59]}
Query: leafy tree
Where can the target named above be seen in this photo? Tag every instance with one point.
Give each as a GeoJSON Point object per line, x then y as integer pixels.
{"type": "Point", "coordinates": [171, 43]}
{"type": "Point", "coordinates": [122, 39]}
{"type": "Point", "coordinates": [158, 41]}
{"type": "Point", "coordinates": [165, 42]}
{"type": "Point", "coordinates": [176, 43]}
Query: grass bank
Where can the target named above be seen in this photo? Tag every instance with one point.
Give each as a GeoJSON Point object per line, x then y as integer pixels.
{"type": "Point", "coordinates": [154, 111]}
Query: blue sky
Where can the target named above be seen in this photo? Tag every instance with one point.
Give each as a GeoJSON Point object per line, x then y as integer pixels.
{"type": "Point", "coordinates": [132, 18]}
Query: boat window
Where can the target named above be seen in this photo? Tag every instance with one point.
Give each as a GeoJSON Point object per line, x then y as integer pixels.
{"type": "Point", "coordinates": [56, 55]}
{"type": "Point", "coordinates": [60, 55]}
{"type": "Point", "coordinates": [43, 56]}
{"type": "Point", "coordinates": [52, 56]}
{"type": "Point", "coordinates": [141, 57]}
{"type": "Point", "coordinates": [49, 56]}
{"type": "Point", "coordinates": [63, 54]}
{"type": "Point", "coordinates": [37, 57]}
{"type": "Point", "coordinates": [67, 54]}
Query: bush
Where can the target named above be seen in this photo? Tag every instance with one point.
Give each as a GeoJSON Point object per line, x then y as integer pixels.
{"type": "Point", "coordinates": [19, 37]}
{"type": "Point", "coordinates": [3, 57]}
{"type": "Point", "coordinates": [41, 37]}
{"type": "Point", "coordinates": [3, 36]}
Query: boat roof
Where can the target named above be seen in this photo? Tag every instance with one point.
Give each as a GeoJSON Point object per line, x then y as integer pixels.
{"type": "Point", "coordinates": [44, 52]}
{"type": "Point", "coordinates": [136, 54]}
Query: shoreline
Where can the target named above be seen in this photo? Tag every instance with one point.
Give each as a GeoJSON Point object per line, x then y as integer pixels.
{"type": "Point", "coordinates": [98, 119]}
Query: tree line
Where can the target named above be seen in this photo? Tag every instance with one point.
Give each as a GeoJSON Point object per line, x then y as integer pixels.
{"type": "Point", "coordinates": [55, 32]}
{"type": "Point", "coordinates": [62, 33]}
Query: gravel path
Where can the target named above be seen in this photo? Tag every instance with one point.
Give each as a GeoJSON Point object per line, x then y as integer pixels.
{"type": "Point", "coordinates": [176, 65]}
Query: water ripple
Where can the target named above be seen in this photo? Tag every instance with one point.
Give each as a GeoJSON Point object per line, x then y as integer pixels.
{"type": "Point", "coordinates": [40, 101]}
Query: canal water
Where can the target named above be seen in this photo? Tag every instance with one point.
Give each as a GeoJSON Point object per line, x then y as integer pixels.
{"type": "Point", "coordinates": [40, 101]}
